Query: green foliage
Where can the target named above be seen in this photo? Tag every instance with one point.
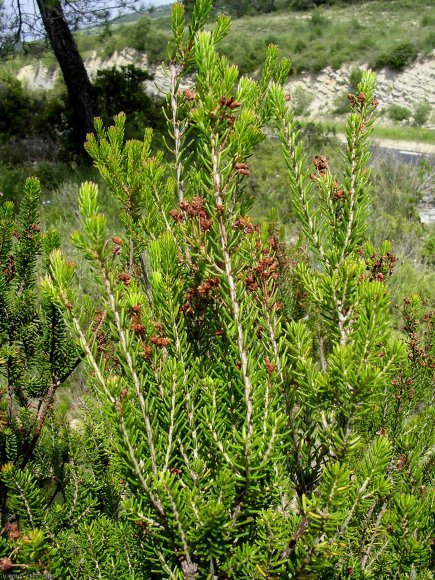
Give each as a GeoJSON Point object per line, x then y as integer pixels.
{"type": "Point", "coordinates": [399, 56]}
{"type": "Point", "coordinates": [302, 100]}
{"type": "Point", "coordinates": [253, 412]}
{"type": "Point", "coordinates": [254, 442]}
{"type": "Point", "coordinates": [355, 77]}
{"type": "Point", "coordinates": [399, 113]}
{"type": "Point", "coordinates": [16, 107]}
{"type": "Point", "coordinates": [122, 89]}
{"type": "Point", "coordinates": [237, 9]}
{"type": "Point", "coordinates": [36, 356]}
{"type": "Point", "coordinates": [421, 114]}
{"type": "Point", "coordinates": [27, 115]}
{"type": "Point", "coordinates": [429, 249]}
{"type": "Point", "coordinates": [350, 37]}
{"type": "Point", "coordinates": [146, 37]}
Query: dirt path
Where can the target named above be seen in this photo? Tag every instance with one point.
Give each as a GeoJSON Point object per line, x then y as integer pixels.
{"type": "Point", "coordinates": [399, 145]}
{"type": "Point", "coordinates": [418, 147]}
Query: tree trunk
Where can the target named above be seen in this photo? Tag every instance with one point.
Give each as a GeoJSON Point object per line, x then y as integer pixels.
{"type": "Point", "coordinates": [79, 87]}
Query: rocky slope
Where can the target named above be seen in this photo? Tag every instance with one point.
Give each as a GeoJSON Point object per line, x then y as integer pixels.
{"type": "Point", "coordinates": [414, 85]}
{"type": "Point", "coordinates": [319, 93]}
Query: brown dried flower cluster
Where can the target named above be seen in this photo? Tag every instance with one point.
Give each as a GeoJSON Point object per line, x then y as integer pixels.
{"type": "Point", "coordinates": [242, 168]}
{"type": "Point", "coordinates": [9, 269]}
{"type": "Point", "coordinates": [196, 298]}
{"type": "Point", "coordinates": [125, 278]}
{"type": "Point", "coordinates": [117, 245]}
{"type": "Point", "coordinates": [160, 341]}
{"type": "Point", "coordinates": [381, 267]}
{"type": "Point", "coordinates": [321, 164]}
{"type": "Point", "coordinates": [229, 102]}
{"type": "Point", "coordinates": [13, 532]}
{"type": "Point", "coordinates": [270, 367]}
{"type": "Point", "coordinates": [245, 224]}
{"type": "Point", "coordinates": [190, 94]}
{"type": "Point", "coordinates": [194, 209]}
{"type": "Point", "coordinates": [31, 231]}
{"type": "Point", "coordinates": [338, 193]}
{"type": "Point", "coordinates": [265, 270]}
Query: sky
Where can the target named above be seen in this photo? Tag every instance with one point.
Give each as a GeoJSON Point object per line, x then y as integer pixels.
{"type": "Point", "coordinates": [29, 5]}
{"type": "Point", "coordinates": [28, 9]}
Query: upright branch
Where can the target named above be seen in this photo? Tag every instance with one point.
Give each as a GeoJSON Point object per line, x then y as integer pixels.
{"type": "Point", "coordinates": [251, 442]}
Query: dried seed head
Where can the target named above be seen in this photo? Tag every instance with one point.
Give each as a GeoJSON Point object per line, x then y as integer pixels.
{"type": "Point", "coordinates": [160, 342]}
{"type": "Point", "coordinates": [321, 164]}
{"type": "Point", "coordinates": [6, 564]}
{"type": "Point", "coordinates": [270, 367]}
{"type": "Point", "coordinates": [176, 215]}
{"type": "Point", "coordinates": [14, 532]}
{"type": "Point", "coordinates": [205, 224]}
{"type": "Point", "coordinates": [125, 277]}
{"type": "Point", "coordinates": [400, 462]}
{"type": "Point", "coordinates": [138, 328]}
{"type": "Point", "coordinates": [190, 94]}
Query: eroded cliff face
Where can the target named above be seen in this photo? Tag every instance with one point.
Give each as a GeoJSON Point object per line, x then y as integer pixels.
{"type": "Point", "coordinates": [415, 84]}
{"type": "Point", "coordinates": [407, 88]}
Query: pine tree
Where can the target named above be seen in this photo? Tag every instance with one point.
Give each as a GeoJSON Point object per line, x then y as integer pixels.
{"type": "Point", "coordinates": [261, 414]}
{"type": "Point", "coordinates": [37, 355]}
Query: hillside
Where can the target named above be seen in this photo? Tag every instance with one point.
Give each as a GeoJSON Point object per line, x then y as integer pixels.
{"type": "Point", "coordinates": [327, 46]}
{"type": "Point", "coordinates": [318, 95]}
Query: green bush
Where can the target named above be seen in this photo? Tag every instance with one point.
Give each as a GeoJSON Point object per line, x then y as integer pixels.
{"type": "Point", "coordinates": [341, 104]}
{"type": "Point", "coordinates": [33, 124]}
{"type": "Point", "coordinates": [428, 42]}
{"type": "Point", "coordinates": [145, 37]}
{"type": "Point", "coordinates": [355, 77]}
{"type": "Point", "coordinates": [427, 20]}
{"type": "Point", "coordinates": [398, 57]}
{"type": "Point", "coordinates": [429, 249]}
{"type": "Point", "coordinates": [319, 20]}
{"type": "Point", "coordinates": [399, 113]}
{"type": "Point", "coordinates": [249, 49]}
{"type": "Point", "coordinates": [301, 100]}
{"type": "Point", "coordinates": [422, 113]}
{"type": "Point", "coordinates": [254, 414]}
{"type": "Point", "coordinates": [123, 89]}
{"type": "Point", "coordinates": [16, 108]}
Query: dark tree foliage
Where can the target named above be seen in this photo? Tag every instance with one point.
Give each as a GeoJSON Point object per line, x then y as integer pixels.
{"type": "Point", "coordinates": [56, 19]}
{"type": "Point", "coordinates": [308, 4]}
{"type": "Point", "coordinates": [122, 89]}
{"type": "Point", "coordinates": [36, 353]}
{"type": "Point", "coordinates": [236, 8]}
